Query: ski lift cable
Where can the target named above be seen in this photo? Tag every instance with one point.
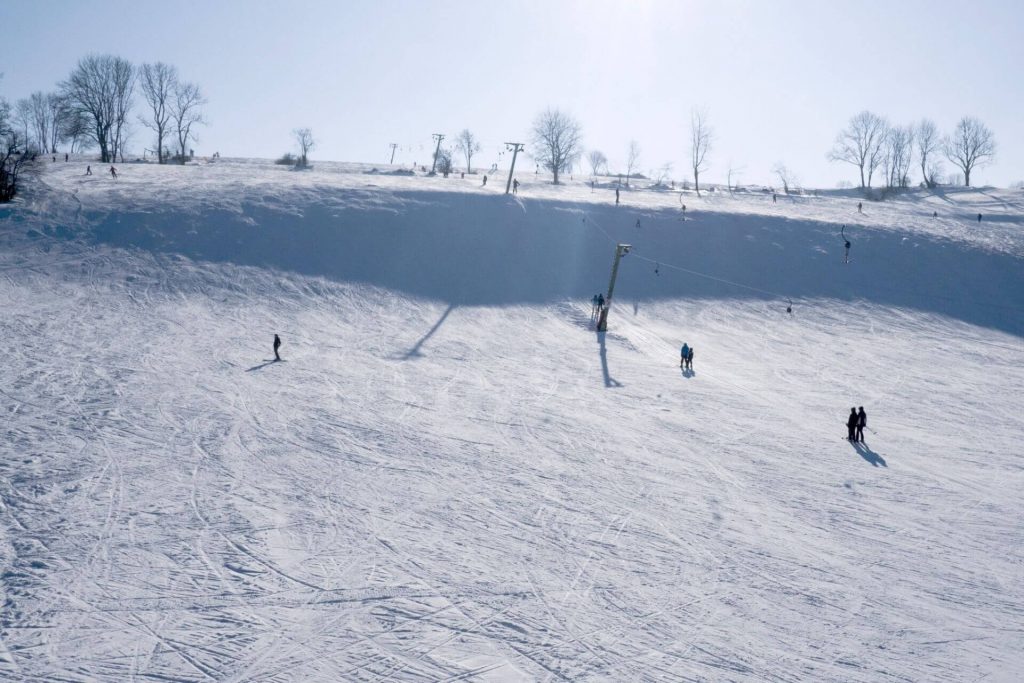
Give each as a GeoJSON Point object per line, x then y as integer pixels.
{"type": "Point", "coordinates": [658, 263]}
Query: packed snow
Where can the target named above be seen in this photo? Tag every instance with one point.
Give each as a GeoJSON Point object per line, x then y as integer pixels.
{"type": "Point", "coordinates": [452, 476]}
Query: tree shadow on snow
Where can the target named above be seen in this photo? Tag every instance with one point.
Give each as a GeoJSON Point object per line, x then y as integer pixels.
{"type": "Point", "coordinates": [863, 451]}
{"type": "Point", "coordinates": [466, 249]}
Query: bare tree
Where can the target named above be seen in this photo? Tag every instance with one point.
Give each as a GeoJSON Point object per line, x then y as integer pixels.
{"type": "Point", "coordinates": [123, 73]}
{"type": "Point", "coordinates": [467, 143]}
{"type": "Point", "coordinates": [21, 122]}
{"type": "Point", "coordinates": [445, 162]}
{"type": "Point", "coordinates": [557, 139]}
{"type": "Point", "coordinates": [13, 155]}
{"type": "Point", "coordinates": [730, 174]}
{"type": "Point", "coordinates": [304, 138]}
{"type": "Point", "coordinates": [928, 143]}
{"type": "Point", "coordinates": [43, 121]}
{"type": "Point", "coordinates": [99, 89]}
{"type": "Point", "coordinates": [971, 145]}
{"type": "Point", "coordinates": [158, 82]}
{"type": "Point", "coordinates": [861, 143]}
{"type": "Point", "coordinates": [74, 127]}
{"type": "Point", "coordinates": [185, 113]}
{"type": "Point", "coordinates": [664, 175]}
{"type": "Point", "coordinates": [701, 137]}
{"type": "Point", "coordinates": [632, 159]}
{"type": "Point", "coordinates": [785, 176]}
{"type": "Point", "coordinates": [899, 149]}
{"type": "Point", "coordinates": [597, 161]}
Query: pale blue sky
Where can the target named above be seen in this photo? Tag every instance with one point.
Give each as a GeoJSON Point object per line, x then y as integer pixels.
{"type": "Point", "coordinates": [779, 79]}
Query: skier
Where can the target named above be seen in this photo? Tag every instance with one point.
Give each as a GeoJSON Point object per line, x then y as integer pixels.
{"type": "Point", "coordinates": [88, 170]}
{"type": "Point", "coordinates": [485, 181]}
{"type": "Point", "coordinates": [600, 303]}
{"type": "Point", "coordinates": [860, 207]}
{"type": "Point", "coordinates": [689, 359]}
{"type": "Point", "coordinates": [979, 217]}
{"type": "Point", "coordinates": [593, 307]}
{"type": "Point", "coordinates": [846, 242]}
{"type": "Point", "coordinates": [113, 173]}
{"type": "Point", "coordinates": [277, 345]}
{"type": "Point", "coordinates": [616, 196]}
{"type": "Point", "coordinates": [684, 355]}
{"type": "Point", "coordinates": [65, 157]}
{"type": "Point", "coordinates": [851, 425]}
{"type": "Point", "coordinates": [515, 186]}
{"type": "Point", "coordinates": [862, 422]}
{"type": "Point", "coordinates": [935, 214]}
{"type": "Point", "coordinates": [775, 198]}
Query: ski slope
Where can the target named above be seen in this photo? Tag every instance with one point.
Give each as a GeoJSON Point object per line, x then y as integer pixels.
{"type": "Point", "coordinates": [451, 476]}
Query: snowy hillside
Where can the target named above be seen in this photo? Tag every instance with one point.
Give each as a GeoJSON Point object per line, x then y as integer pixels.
{"type": "Point", "coordinates": [451, 476]}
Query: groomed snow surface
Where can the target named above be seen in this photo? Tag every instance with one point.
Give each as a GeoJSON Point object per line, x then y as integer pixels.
{"type": "Point", "coordinates": [451, 476]}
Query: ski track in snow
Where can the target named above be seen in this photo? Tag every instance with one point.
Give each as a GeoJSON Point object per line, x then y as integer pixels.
{"type": "Point", "coordinates": [427, 490]}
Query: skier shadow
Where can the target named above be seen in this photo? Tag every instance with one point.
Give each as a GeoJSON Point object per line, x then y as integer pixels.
{"type": "Point", "coordinates": [687, 372]}
{"type": "Point", "coordinates": [414, 352]}
{"type": "Point", "coordinates": [266, 362]}
{"type": "Point", "coordinates": [609, 382]}
{"type": "Point", "coordinates": [863, 451]}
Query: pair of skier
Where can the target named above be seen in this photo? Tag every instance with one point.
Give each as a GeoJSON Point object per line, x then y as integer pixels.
{"type": "Point", "coordinates": [686, 357]}
{"type": "Point", "coordinates": [855, 425]}
{"type": "Point", "coordinates": [597, 303]}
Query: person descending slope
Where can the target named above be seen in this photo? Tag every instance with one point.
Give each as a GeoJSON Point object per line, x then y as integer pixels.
{"type": "Point", "coordinates": [277, 345]}
{"type": "Point", "coordinates": [846, 257]}
{"type": "Point", "coordinates": [851, 425]}
{"type": "Point", "coordinates": [113, 173]}
{"type": "Point", "coordinates": [684, 355]}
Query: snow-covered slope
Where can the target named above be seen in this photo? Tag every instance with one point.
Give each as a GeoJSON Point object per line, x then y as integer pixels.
{"type": "Point", "coordinates": [452, 477]}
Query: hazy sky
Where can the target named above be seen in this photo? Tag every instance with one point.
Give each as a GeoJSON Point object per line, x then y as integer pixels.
{"type": "Point", "coordinates": [778, 78]}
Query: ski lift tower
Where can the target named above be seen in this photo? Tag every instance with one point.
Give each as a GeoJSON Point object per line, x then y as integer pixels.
{"type": "Point", "coordinates": [620, 251]}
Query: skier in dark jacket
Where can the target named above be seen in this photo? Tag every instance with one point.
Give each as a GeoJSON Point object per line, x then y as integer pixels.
{"type": "Point", "coordinates": [684, 355]}
{"type": "Point", "coordinates": [851, 425]}
{"type": "Point", "coordinates": [689, 359]}
{"type": "Point", "coordinates": [862, 422]}
{"type": "Point", "coordinates": [277, 345]}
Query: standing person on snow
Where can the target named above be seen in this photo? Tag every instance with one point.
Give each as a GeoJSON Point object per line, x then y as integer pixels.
{"type": "Point", "coordinates": [113, 173]}
{"type": "Point", "coordinates": [485, 180]}
{"type": "Point", "coordinates": [88, 170]}
{"type": "Point", "coordinates": [600, 303]}
{"type": "Point", "coordinates": [277, 345]}
{"type": "Point", "coordinates": [851, 425]}
{"type": "Point", "coordinates": [846, 242]}
{"type": "Point", "coordinates": [616, 196]}
{"type": "Point", "coordinates": [979, 217]}
{"type": "Point", "coordinates": [684, 355]}
{"type": "Point", "coordinates": [860, 207]}
{"type": "Point", "coordinates": [515, 186]}
{"type": "Point", "coordinates": [689, 359]}
{"type": "Point", "coordinates": [593, 307]}
{"type": "Point", "coordinates": [862, 422]}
